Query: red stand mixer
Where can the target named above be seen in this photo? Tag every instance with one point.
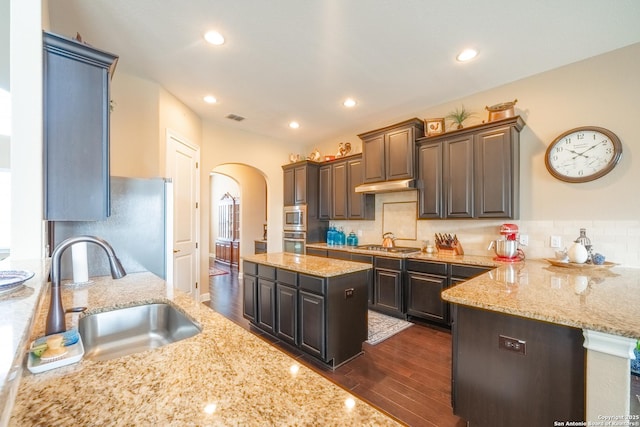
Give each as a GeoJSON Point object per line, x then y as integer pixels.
{"type": "Point", "coordinates": [507, 249]}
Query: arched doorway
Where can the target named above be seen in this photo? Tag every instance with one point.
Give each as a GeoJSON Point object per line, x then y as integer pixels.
{"type": "Point", "coordinates": [246, 185]}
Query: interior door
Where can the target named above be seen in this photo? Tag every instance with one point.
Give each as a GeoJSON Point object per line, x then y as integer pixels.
{"type": "Point", "coordinates": [183, 159]}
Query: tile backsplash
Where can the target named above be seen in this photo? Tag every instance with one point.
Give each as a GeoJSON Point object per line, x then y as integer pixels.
{"type": "Point", "coordinates": [618, 241]}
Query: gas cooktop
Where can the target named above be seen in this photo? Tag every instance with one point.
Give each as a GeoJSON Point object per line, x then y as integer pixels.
{"type": "Point", "coordinates": [396, 249]}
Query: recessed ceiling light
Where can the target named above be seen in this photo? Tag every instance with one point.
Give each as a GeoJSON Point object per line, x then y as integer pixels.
{"type": "Point", "coordinates": [467, 55]}
{"type": "Point", "coordinates": [294, 125]}
{"type": "Point", "coordinates": [214, 37]}
{"type": "Point", "coordinates": [349, 102]}
{"type": "Point", "coordinates": [210, 99]}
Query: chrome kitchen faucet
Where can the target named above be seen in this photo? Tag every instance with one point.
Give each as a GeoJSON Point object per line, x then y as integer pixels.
{"type": "Point", "coordinates": [55, 317]}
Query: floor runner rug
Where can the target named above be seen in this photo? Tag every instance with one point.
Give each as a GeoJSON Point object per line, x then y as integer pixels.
{"type": "Point", "coordinates": [216, 271]}
{"type": "Point", "coordinates": [382, 327]}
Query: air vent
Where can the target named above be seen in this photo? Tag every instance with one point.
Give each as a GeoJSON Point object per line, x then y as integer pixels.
{"type": "Point", "coordinates": [235, 117]}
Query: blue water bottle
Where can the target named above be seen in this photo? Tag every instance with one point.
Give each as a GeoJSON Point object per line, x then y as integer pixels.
{"type": "Point", "coordinates": [352, 239]}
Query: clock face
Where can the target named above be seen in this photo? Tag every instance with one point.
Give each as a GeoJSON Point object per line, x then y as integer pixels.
{"type": "Point", "coordinates": [583, 154]}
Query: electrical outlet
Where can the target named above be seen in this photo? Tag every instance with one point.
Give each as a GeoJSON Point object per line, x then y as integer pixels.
{"type": "Point", "coordinates": [555, 242]}
{"type": "Point", "coordinates": [359, 233]}
{"type": "Point", "coordinates": [524, 239]}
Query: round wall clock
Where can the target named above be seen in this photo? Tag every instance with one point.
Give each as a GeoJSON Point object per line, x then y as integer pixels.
{"type": "Point", "coordinates": [583, 154]}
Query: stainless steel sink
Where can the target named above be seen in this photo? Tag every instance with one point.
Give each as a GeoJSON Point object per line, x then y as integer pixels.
{"type": "Point", "coordinates": [129, 330]}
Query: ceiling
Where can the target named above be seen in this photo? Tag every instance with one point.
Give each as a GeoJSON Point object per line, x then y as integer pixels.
{"type": "Point", "coordinates": [298, 60]}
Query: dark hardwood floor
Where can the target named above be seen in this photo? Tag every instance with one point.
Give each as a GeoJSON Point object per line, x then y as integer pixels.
{"type": "Point", "coordinates": [407, 376]}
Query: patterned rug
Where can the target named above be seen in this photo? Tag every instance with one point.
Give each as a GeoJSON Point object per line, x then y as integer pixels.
{"type": "Point", "coordinates": [382, 327]}
{"type": "Point", "coordinates": [216, 271]}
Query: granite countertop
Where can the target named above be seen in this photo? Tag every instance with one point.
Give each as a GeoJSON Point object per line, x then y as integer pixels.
{"type": "Point", "coordinates": [308, 264]}
{"type": "Point", "coordinates": [223, 376]}
{"type": "Point", "coordinates": [484, 261]}
{"type": "Point", "coordinates": [595, 298]}
{"type": "Point", "coordinates": [17, 310]}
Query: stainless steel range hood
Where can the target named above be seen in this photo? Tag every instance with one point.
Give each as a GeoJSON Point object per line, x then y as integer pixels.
{"type": "Point", "coordinates": [387, 186]}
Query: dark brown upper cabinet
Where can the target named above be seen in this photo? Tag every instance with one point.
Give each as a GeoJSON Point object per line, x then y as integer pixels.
{"type": "Point", "coordinates": [388, 153]}
{"type": "Point", "coordinates": [76, 129]}
{"type": "Point", "coordinates": [472, 172]}
{"type": "Point", "coordinates": [338, 198]}
{"type": "Point", "coordinates": [301, 185]}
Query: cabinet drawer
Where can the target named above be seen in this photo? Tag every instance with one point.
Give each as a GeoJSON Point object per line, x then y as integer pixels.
{"type": "Point", "coordinates": [312, 284]}
{"type": "Point", "coordinates": [339, 255]}
{"type": "Point", "coordinates": [317, 252]}
{"type": "Point", "coordinates": [467, 271]}
{"type": "Point", "coordinates": [287, 277]}
{"type": "Point", "coordinates": [388, 263]}
{"type": "Point", "coordinates": [250, 268]}
{"type": "Point", "coordinates": [362, 258]}
{"type": "Point", "coordinates": [439, 268]}
{"type": "Point", "coordinates": [267, 272]}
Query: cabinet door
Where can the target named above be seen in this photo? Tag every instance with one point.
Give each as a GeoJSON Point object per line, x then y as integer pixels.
{"type": "Point", "coordinates": [300, 185]}
{"type": "Point", "coordinates": [235, 253]}
{"type": "Point", "coordinates": [458, 174]}
{"type": "Point", "coordinates": [339, 190]}
{"type": "Point", "coordinates": [359, 205]}
{"type": "Point", "coordinates": [266, 316]}
{"type": "Point", "coordinates": [373, 153]}
{"type": "Point", "coordinates": [423, 299]}
{"type": "Point", "coordinates": [399, 156]}
{"type": "Point", "coordinates": [495, 174]}
{"type": "Point", "coordinates": [288, 197]}
{"type": "Point", "coordinates": [250, 290]}
{"type": "Point", "coordinates": [312, 324]}
{"type": "Point", "coordinates": [324, 199]}
{"type": "Point", "coordinates": [287, 313]}
{"type": "Point", "coordinates": [76, 130]}
{"type": "Point", "coordinates": [430, 181]}
{"type": "Point", "coordinates": [388, 291]}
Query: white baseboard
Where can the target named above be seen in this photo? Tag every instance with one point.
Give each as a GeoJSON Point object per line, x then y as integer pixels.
{"type": "Point", "coordinates": [204, 297]}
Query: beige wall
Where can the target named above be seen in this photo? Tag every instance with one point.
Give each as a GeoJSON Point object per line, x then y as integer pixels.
{"type": "Point", "coordinates": [229, 144]}
{"type": "Point", "coordinates": [134, 127]}
{"type": "Point", "coordinates": [601, 91]}
{"type": "Point", "coordinates": [250, 185]}
{"type": "Point", "coordinates": [220, 184]}
{"type": "Point", "coordinates": [28, 239]}
{"type": "Point", "coordinates": [142, 113]}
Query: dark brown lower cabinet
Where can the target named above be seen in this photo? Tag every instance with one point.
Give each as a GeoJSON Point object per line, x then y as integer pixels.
{"type": "Point", "coordinates": [388, 288]}
{"type": "Point", "coordinates": [312, 324]}
{"type": "Point", "coordinates": [287, 313]}
{"type": "Point", "coordinates": [325, 317]}
{"type": "Point", "coordinates": [266, 317]}
{"type": "Point", "coordinates": [512, 371]}
{"type": "Point", "coordinates": [250, 290]}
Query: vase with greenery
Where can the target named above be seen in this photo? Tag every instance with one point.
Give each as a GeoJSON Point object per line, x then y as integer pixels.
{"type": "Point", "coordinates": [458, 116]}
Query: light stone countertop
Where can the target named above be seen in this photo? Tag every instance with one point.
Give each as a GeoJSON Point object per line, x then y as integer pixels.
{"type": "Point", "coordinates": [484, 261]}
{"type": "Point", "coordinates": [594, 298]}
{"type": "Point", "coordinates": [245, 380]}
{"type": "Point", "coordinates": [317, 266]}
{"type": "Point", "coordinates": [17, 309]}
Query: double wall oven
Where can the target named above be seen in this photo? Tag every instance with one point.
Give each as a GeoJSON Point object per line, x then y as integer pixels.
{"type": "Point", "coordinates": [295, 229]}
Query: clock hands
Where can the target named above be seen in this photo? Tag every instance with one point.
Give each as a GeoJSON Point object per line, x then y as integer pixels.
{"type": "Point", "coordinates": [577, 154]}
{"type": "Point", "coordinates": [588, 149]}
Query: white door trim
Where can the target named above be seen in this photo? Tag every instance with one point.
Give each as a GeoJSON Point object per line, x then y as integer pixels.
{"type": "Point", "coordinates": [173, 135]}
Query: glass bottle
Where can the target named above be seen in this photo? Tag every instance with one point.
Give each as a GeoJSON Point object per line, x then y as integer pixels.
{"type": "Point", "coordinates": [585, 241]}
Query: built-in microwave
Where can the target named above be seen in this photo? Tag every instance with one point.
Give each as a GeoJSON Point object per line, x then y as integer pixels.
{"type": "Point", "coordinates": [295, 218]}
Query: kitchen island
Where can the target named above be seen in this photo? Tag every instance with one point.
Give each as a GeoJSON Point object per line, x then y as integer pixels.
{"type": "Point", "coordinates": [316, 304]}
{"type": "Point", "coordinates": [225, 375]}
{"type": "Point", "coordinates": [537, 299]}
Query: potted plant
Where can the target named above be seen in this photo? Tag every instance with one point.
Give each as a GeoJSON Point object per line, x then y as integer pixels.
{"type": "Point", "coordinates": [458, 116]}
